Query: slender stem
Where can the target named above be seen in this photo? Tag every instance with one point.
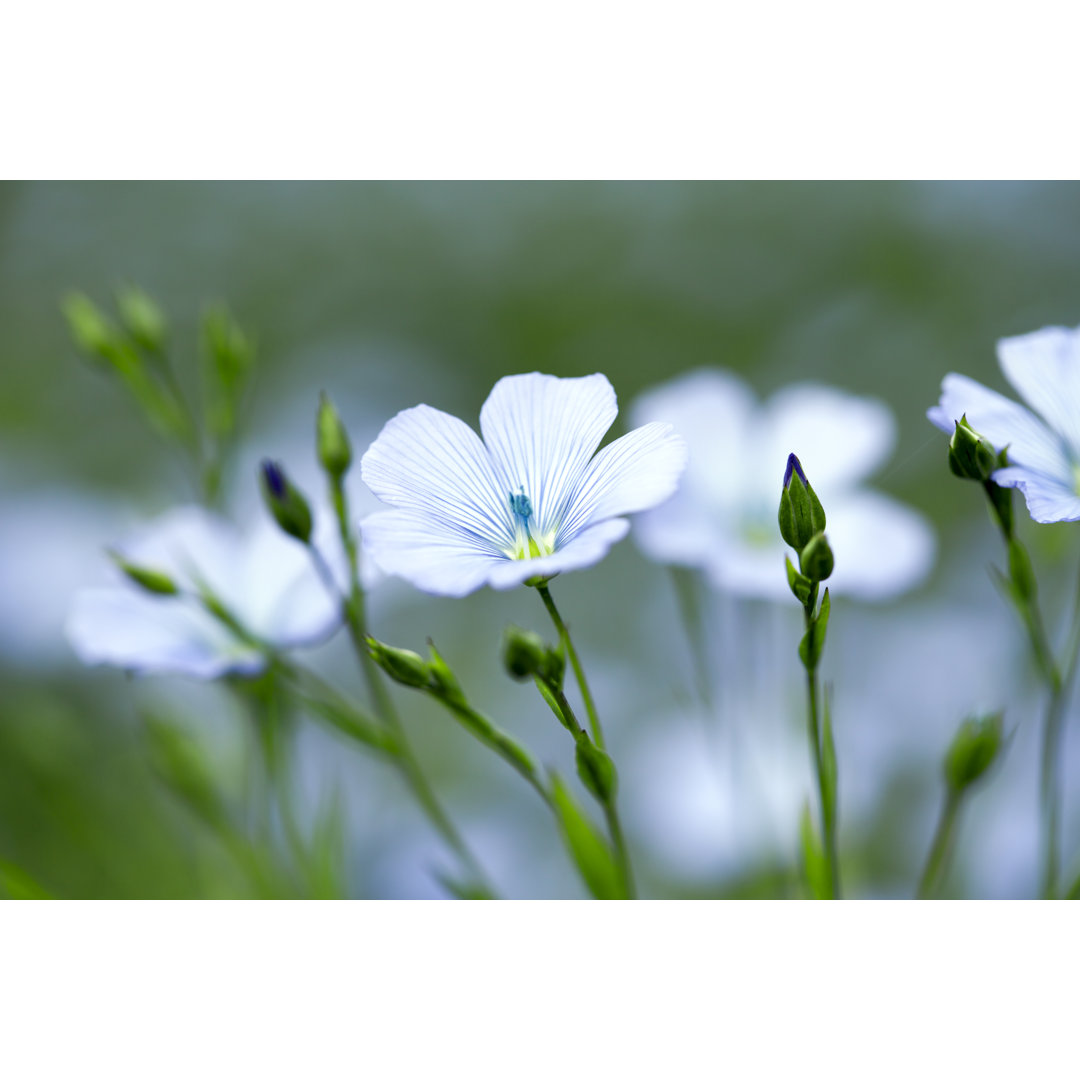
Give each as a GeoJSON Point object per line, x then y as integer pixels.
{"type": "Point", "coordinates": [940, 847]}
{"type": "Point", "coordinates": [575, 663]}
{"type": "Point", "coordinates": [611, 812]}
{"type": "Point", "coordinates": [507, 748]}
{"type": "Point", "coordinates": [686, 592]}
{"type": "Point", "coordinates": [828, 817]}
{"type": "Point", "coordinates": [353, 611]}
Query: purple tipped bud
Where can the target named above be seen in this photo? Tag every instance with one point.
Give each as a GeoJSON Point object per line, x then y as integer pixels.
{"type": "Point", "coordinates": [289, 507]}
{"type": "Point", "coordinates": [274, 475]}
{"type": "Point", "coordinates": [793, 465]}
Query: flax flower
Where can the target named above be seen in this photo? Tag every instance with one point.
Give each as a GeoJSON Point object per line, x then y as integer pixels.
{"type": "Point", "coordinates": [530, 500]}
{"type": "Point", "coordinates": [1043, 442]}
{"type": "Point", "coordinates": [266, 580]}
{"type": "Point", "coordinates": [723, 518]}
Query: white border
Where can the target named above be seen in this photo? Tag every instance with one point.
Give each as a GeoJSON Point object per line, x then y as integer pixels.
{"type": "Point", "coordinates": [523, 990]}
{"type": "Point", "coordinates": [568, 88]}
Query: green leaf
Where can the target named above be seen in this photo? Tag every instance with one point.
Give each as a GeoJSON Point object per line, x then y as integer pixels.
{"type": "Point", "coordinates": [814, 865]}
{"type": "Point", "coordinates": [553, 704]}
{"type": "Point", "coordinates": [813, 642]}
{"type": "Point", "coordinates": [17, 884]}
{"type": "Point", "coordinates": [184, 766]}
{"type": "Point", "coordinates": [591, 853]}
{"type": "Point", "coordinates": [463, 890]}
{"type": "Point", "coordinates": [1021, 573]}
{"type": "Point", "coordinates": [799, 584]}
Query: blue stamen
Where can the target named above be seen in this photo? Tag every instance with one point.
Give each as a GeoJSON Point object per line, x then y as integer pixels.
{"type": "Point", "coordinates": [520, 506]}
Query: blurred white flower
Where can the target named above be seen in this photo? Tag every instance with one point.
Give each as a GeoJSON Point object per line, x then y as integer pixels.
{"type": "Point", "coordinates": [266, 580]}
{"type": "Point", "coordinates": [529, 501]}
{"type": "Point", "coordinates": [1043, 446]}
{"type": "Point", "coordinates": [50, 546]}
{"type": "Point", "coordinates": [723, 518]}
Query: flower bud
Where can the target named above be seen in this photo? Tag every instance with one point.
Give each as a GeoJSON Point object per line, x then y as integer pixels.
{"type": "Point", "coordinates": [443, 681]}
{"type": "Point", "coordinates": [524, 653]}
{"type": "Point", "coordinates": [402, 665]}
{"type": "Point", "coordinates": [229, 349]}
{"type": "Point", "coordinates": [152, 581]}
{"type": "Point", "coordinates": [801, 514]}
{"type": "Point", "coordinates": [971, 457]}
{"type": "Point", "coordinates": [973, 750]}
{"type": "Point", "coordinates": [289, 507]}
{"type": "Point", "coordinates": [90, 329]}
{"type": "Point", "coordinates": [142, 318]}
{"type": "Point", "coordinates": [596, 769]}
{"type": "Point", "coordinates": [816, 559]}
{"type": "Point", "coordinates": [332, 440]}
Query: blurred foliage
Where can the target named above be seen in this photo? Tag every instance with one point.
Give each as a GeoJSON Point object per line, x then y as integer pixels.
{"type": "Point", "coordinates": [879, 288]}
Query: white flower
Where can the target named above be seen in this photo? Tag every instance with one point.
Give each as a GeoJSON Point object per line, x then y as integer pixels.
{"type": "Point", "coordinates": [266, 580]}
{"type": "Point", "coordinates": [723, 519]}
{"type": "Point", "coordinates": [529, 501]}
{"type": "Point", "coordinates": [1043, 446]}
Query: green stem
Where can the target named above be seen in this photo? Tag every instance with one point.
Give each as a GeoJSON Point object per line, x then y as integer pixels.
{"type": "Point", "coordinates": [611, 812]}
{"type": "Point", "coordinates": [828, 816]}
{"type": "Point", "coordinates": [515, 755]}
{"type": "Point", "coordinates": [353, 611]}
{"type": "Point", "coordinates": [575, 663]}
{"type": "Point", "coordinates": [940, 847]}
{"type": "Point", "coordinates": [687, 591]}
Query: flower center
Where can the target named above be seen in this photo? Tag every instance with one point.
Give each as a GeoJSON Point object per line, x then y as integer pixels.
{"type": "Point", "coordinates": [529, 542]}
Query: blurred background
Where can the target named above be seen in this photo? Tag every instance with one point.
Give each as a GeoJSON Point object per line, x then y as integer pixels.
{"type": "Point", "coordinates": [386, 295]}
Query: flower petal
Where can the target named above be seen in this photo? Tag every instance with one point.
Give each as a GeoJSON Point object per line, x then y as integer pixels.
{"type": "Point", "coordinates": [427, 461]}
{"type": "Point", "coordinates": [840, 438]}
{"type": "Point", "coordinates": [681, 531]}
{"type": "Point", "coordinates": [1044, 369]}
{"type": "Point", "coordinates": [542, 431]}
{"type": "Point", "coordinates": [424, 551]}
{"type": "Point", "coordinates": [882, 547]}
{"type": "Point", "coordinates": [1003, 422]}
{"type": "Point", "coordinates": [284, 600]}
{"type": "Point", "coordinates": [588, 547]}
{"type": "Point", "coordinates": [634, 473]}
{"type": "Point", "coordinates": [1047, 499]}
{"type": "Point", "coordinates": [155, 634]}
{"type": "Point", "coordinates": [714, 411]}
{"type": "Point", "coordinates": [190, 544]}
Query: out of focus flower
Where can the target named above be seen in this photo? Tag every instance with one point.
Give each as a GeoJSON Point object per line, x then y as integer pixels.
{"type": "Point", "coordinates": [723, 517]}
{"type": "Point", "coordinates": [50, 546]}
{"type": "Point", "coordinates": [529, 501]}
{"type": "Point", "coordinates": [1043, 446]}
{"type": "Point", "coordinates": [263, 579]}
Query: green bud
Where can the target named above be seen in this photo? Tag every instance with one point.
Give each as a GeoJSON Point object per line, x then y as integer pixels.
{"type": "Point", "coordinates": [596, 769]}
{"type": "Point", "coordinates": [971, 457]}
{"type": "Point", "coordinates": [801, 514]}
{"type": "Point", "coordinates": [90, 329]}
{"type": "Point", "coordinates": [524, 653]}
{"type": "Point", "coordinates": [289, 507]}
{"type": "Point", "coordinates": [152, 581]}
{"type": "Point", "coordinates": [816, 560]}
{"type": "Point", "coordinates": [973, 750]}
{"type": "Point", "coordinates": [332, 440]}
{"type": "Point", "coordinates": [142, 318]}
{"type": "Point", "coordinates": [229, 349]}
{"type": "Point", "coordinates": [402, 665]}
{"type": "Point", "coordinates": [444, 682]}
{"type": "Point", "coordinates": [555, 666]}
